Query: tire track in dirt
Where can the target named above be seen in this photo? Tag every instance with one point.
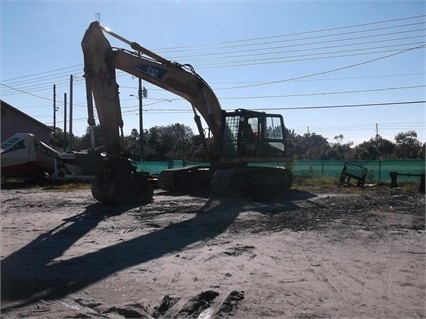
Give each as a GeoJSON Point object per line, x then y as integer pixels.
{"type": "Point", "coordinates": [397, 280]}
{"type": "Point", "coordinates": [335, 283]}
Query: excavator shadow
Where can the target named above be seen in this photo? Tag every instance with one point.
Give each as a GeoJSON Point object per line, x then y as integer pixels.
{"type": "Point", "coordinates": [38, 270]}
{"type": "Point", "coordinates": [25, 273]}
{"type": "Point", "coordinates": [285, 201]}
{"type": "Point", "coordinates": [266, 202]}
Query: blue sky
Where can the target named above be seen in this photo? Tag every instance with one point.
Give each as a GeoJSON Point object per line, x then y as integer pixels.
{"type": "Point", "coordinates": [307, 60]}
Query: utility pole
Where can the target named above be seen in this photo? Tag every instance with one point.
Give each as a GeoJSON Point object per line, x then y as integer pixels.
{"type": "Point", "coordinates": [71, 97]}
{"type": "Point", "coordinates": [140, 119]}
{"type": "Point", "coordinates": [141, 94]}
{"type": "Point", "coordinates": [54, 116]}
{"type": "Point", "coordinates": [65, 122]}
{"type": "Point", "coordinates": [377, 141]}
{"type": "Point", "coordinates": [140, 115]}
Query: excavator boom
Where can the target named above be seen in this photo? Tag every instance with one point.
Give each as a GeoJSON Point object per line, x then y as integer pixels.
{"type": "Point", "coordinates": [179, 79]}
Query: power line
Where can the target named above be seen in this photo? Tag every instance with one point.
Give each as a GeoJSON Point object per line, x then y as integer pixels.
{"type": "Point", "coordinates": [289, 35]}
{"type": "Point", "coordinates": [343, 105]}
{"type": "Point", "coordinates": [154, 88]}
{"type": "Point", "coordinates": [43, 80]}
{"type": "Point", "coordinates": [63, 70]}
{"type": "Point", "coordinates": [330, 71]}
{"type": "Point", "coordinates": [287, 108]}
{"type": "Point", "coordinates": [159, 100]}
{"type": "Point", "coordinates": [22, 91]}
{"type": "Point", "coordinates": [188, 111]}
{"type": "Point", "coordinates": [323, 93]}
{"type": "Point", "coordinates": [266, 51]}
{"type": "Point", "coordinates": [286, 35]}
{"type": "Point", "coordinates": [65, 82]}
{"type": "Point", "coordinates": [362, 126]}
{"type": "Point", "coordinates": [298, 58]}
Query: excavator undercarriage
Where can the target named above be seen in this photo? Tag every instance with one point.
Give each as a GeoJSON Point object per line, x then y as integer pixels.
{"type": "Point", "coordinates": [227, 181]}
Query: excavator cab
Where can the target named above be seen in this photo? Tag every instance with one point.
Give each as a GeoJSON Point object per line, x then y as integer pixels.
{"type": "Point", "coordinates": [248, 139]}
{"type": "Point", "coordinates": [250, 136]}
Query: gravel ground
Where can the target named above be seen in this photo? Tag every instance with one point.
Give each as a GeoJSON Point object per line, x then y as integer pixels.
{"type": "Point", "coordinates": [335, 252]}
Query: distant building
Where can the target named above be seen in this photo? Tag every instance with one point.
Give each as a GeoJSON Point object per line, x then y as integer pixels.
{"type": "Point", "coordinates": [15, 121]}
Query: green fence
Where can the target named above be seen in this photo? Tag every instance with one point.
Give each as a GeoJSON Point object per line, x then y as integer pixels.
{"type": "Point", "coordinates": [155, 167]}
{"type": "Point", "coordinates": [378, 171]}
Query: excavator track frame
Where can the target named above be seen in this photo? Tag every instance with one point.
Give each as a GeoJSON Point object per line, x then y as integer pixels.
{"type": "Point", "coordinates": [227, 180]}
{"type": "Point", "coordinates": [251, 180]}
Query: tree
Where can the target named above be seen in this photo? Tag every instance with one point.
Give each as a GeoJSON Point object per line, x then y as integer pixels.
{"type": "Point", "coordinates": [86, 140]}
{"type": "Point", "coordinates": [59, 142]}
{"type": "Point", "coordinates": [309, 146]}
{"type": "Point", "coordinates": [374, 149]}
{"type": "Point", "coordinates": [132, 144]}
{"type": "Point", "coordinates": [386, 148]}
{"type": "Point", "coordinates": [423, 151]}
{"type": "Point", "coordinates": [339, 150]}
{"type": "Point", "coordinates": [169, 142]}
{"type": "Point", "coordinates": [56, 137]}
{"type": "Point", "coordinates": [407, 145]}
{"type": "Point", "coordinates": [361, 152]}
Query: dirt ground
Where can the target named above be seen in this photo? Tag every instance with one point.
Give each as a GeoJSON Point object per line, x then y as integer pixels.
{"type": "Point", "coordinates": [338, 252]}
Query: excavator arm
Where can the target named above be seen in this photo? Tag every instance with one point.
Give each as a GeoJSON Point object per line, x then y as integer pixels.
{"type": "Point", "coordinates": [116, 181]}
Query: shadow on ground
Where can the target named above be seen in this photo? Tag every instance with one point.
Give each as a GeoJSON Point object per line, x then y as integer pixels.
{"type": "Point", "coordinates": [36, 271]}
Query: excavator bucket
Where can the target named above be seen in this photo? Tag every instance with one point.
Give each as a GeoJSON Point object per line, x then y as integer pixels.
{"type": "Point", "coordinates": [121, 184]}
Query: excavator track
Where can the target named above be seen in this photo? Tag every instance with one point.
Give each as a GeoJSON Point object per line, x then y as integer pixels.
{"type": "Point", "coordinates": [190, 178]}
{"type": "Point", "coordinates": [251, 180]}
{"type": "Point", "coordinates": [121, 185]}
{"type": "Point", "coordinates": [227, 181]}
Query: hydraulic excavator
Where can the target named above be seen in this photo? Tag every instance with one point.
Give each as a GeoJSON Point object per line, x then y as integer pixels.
{"type": "Point", "coordinates": [237, 138]}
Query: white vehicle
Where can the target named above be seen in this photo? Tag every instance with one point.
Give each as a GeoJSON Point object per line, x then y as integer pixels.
{"type": "Point", "coordinates": [24, 155]}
